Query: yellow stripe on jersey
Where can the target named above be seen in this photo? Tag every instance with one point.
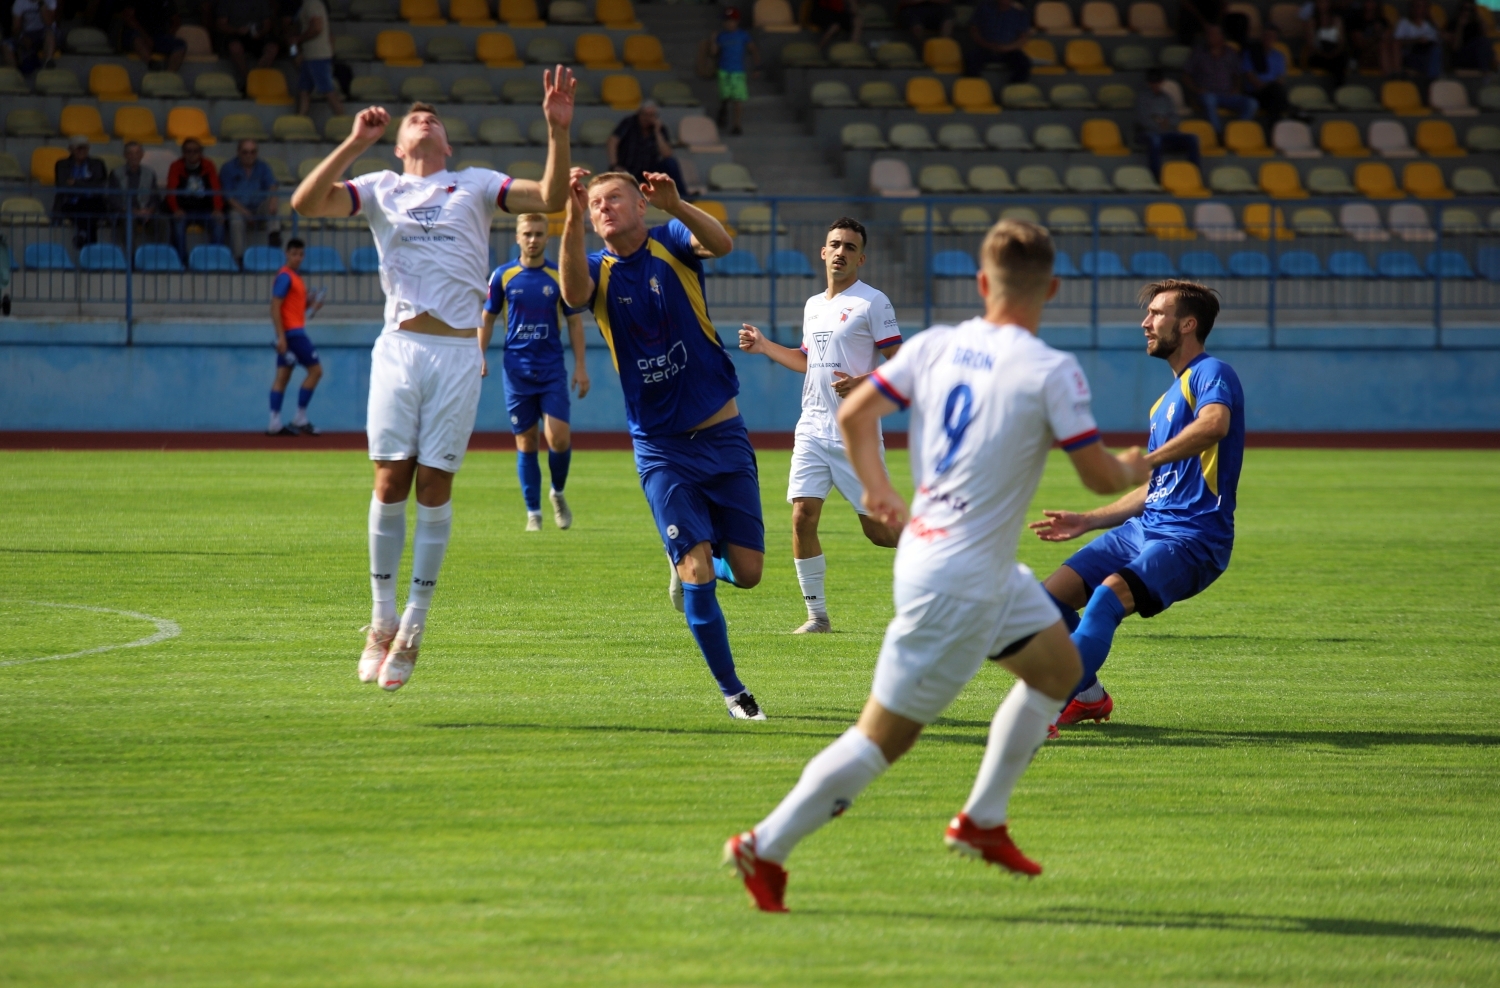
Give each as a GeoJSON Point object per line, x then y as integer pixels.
{"type": "Point", "coordinates": [1186, 380]}
{"type": "Point", "coordinates": [1208, 460]}
{"type": "Point", "coordinates": [601, 306]}
{"type": "Point", "coordinates": [690, 286]}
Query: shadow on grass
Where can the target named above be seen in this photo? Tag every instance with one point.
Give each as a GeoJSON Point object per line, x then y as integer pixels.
{"type": "Point", "coordinates": [727, 731]}
{"type": "Point", "coordinates": [130, 552]}
{"type": "Point", "coordinates": [1114, 735]}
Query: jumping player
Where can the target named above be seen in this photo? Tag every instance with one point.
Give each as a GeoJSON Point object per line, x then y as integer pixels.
{"type": "Point", "coordinates": [1176, 531]}
{"type": "Point", "coordinates": [846, 329]}
{"type": "Point", "coordinates": [289, 312]}
{"type": "Point", "coordinates": [536, 381]}
{"type": "Point", "coordinates": [988, 400]}
{"type": "Point", "coordinates": [431, 227]}
{"type": "Point", "coordinates": [692, 452]}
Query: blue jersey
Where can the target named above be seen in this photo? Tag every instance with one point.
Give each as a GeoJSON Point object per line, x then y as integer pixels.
{"type": "Point", "coordinates": [534, 317]}
{"type": "Point", "coordinates": [650, 307]}
{"type": "Point", "coordinates": [1196, 496]}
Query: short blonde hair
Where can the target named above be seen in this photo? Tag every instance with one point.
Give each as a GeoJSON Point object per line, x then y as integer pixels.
{"type": "Point", "coordinates": [420, 107]}
{"type": "Point", "coordinates": [1017, 255]}
{"type": "Point", "coordinates": [531, 218]}
{"type": "Point", "coordinates": [616, 176]}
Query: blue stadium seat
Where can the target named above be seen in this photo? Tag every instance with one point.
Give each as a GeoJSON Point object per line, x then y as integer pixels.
{"type": "Point", "coordinates": [1152, 264]}
{"type": "Point", "coordinates": [953, 264]}
{"type": "Point", "coordinates": [1448, 264]}
{"type": "Point", "coordinates": [1299, 264]}
{"type": "Point", "coordinates": [207, 258]}
{"type": "Point", "coordinates": [48, 257]}
{"type": "Point", "coordinates": [738, 264]}
{"type": "Point", "coordinates": [102, 257]}
{"type": "Point", "coordinates": [263, 260]}
{"type": "Point", "coordinates": [1398, 264]}
{"type": "Point", "coordinates": [366, 260]}
{"type": "Point", "coordinates": [1202, 264]}
{"type": "Point", "coordinates": [1249, 264]}
{"type": "Point", "coordinates": [322, 260]}
{"type": "Point", "coordinates": [1487, 260]}
{"type": "Point", "coordinates": [790, 264]}
{"type": "Point", "coordinates": [1063, 266]}
{"type": "Point", "coordinates": [1105, 263]}
{"type": "Point", "coordinates": [1349, 264]}
{"type": "Point", "coordinates": [157, 258]}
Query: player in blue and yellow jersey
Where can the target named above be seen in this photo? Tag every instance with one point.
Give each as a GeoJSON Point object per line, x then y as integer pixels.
{"type": "Point", "coordinates": [289, 312]}
{"type": "Point", "coordinates": [529, 292]}
{"type": "Point", "coordinates": [692, 452]}
{"type": "Point", "coordinates": [1175, 533]}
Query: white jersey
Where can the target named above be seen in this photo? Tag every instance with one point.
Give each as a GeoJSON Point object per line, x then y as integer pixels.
{"type": "Point", "coordinates": [433, 235]}
{"type": "Point", "coordinates": [987, 403]}
{"type": "Point", "coordinates": [843, 333]}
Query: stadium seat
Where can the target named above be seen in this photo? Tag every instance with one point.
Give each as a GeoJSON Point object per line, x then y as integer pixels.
{"type": "Point", "coordinates": [459, 132]}
{"type": "Point", "coordinates": [216, 85]}
{"type": "Point", "coordinates": [1063, 266]}
{"type": "Point", "coordinates": [730, 177]}
{"type": "Point", "coordinates": [164, 85]}
{"type": "Point", "coordinates": [545, 50]}
{"type": "Point", "coordinates": [1232, 180]}
{"type": "Point", "coordinates": [879, 94]}
{"type": "Point", "coordinates": [527, 91]}
{"type": "Point", "coordinates": [1069, 220]}
{"type": "Point", "coordinates": [1071, 96]}
{"type": "Point", "coordinates": [263, 260]}
{"type": "Point", "coordinates": [831, 93]}
{"type": "Point", "coordinates": [1257, 221]}
{"type": "Point", "coordinates": [990, 178]}
{"type": "Point", "coordinates": [1279, 180]}
{"type": "Point", "coordinates": [596, 132]}
{"type": "Point", "coordinates": [57, 82]}
{"type": "Point", "coordinates": [497, 50]}
{"type": "Point", "coordinates": [292, 127]}
{"type": "Point", "coordinates": [1398, 264]}
{"type": "Point", "coordinates": [1008, 137]}
{"type": "Point", "coordinates": [738, 264]}
{"type": "Point", "coordinates": [1329, 182]}
{"type": "Point", "coordinates": [1356, 98]}
{"type": "Point", "coordinates": [1311, 99]}
{"type": "Point", "coordinates": [1149, 20]}
{"type": "Point", "coordinates": [596, 51]}
{"type": "Point", "coordinates": [1402, 99]}
{"type": "Point", "coordinates": [28, 123]}
{"type": "Point", "coordinates": [969, 219]}
{"type": "Point", "coordinates": [13, 83]}
{"type": "Point", "coordinates": [788, 263]}
{"type": "Point", "coordinates": [1436, 139]}
{"type": "Point", "coordinates": [1201, 264]}
{"type": "Point", "coordinates": [1375, 180]}
{"type": "Point", "coordinates": [1152, 264]}
{"type": "Point", "coordinates": [804, 54]}
{"type": "Point", "coordinates": [943, 56]}
{"type": "Point", "coordinates": [46, 256]}
{"type": "Point", "coordinates": [110, 83]}
{"type": "Point", "coordinates": [959, 137]}
{"type": "Point", "coordinates": [1166, 221]}
{"type": "Point", "coordinates": [941, 180]}
{"type": "Point", "coordinates": [1133, 58]}
{"type": "Point", "coordinates": [1409, 222]}
{"type": "Point", "coordinates": [914, 219]}
{"type": "Point", "coordinates": [1087, 180]}
{"type": "Point", "coordinates": [1293, 138]}
{"type": "Point", "coordinates": [1115, 96]}
{"type": "Point", "coordinates": [364, 260]}
{"type": "Point", "coordinates": [85, 40]}
{"type": "Point", "coordinates": [10, 168]}
{"type": "Point", "coordinates": [242, 126]}
{"type": "Point", "coordinates": [1388, 139]}
{"type": "Point", "coordinates": [862, 136]}
{"type": "Point", "coordinates": [1208, 139]}
{"type": "Point", "coordinates": [1038, 178]}
{"type": "Point", "coordinates": [1102, 264]}
{"type": "Point", "coordinates": [1025, 213]}
{"type": "Point", "coordinates": [1086, 57]}
{"type": "Point", "coordinates": [1135, 179]}
{"type": "Point", "coordinates": [889, 55]}
{"type": "Point", "coordinates": [268, 88]}
{"type": "Point", "coordinates": [775, 16]}
{"type": "Point", "coordinates": [473, 89]}
{"type": "Point", "coordinates": [1101, 19]}
{"type": "Point", "coordinates": [449, 50]}
{"type": "Point", "coordinates": [1340, 138]}
{"type": "Point", "coordinates": [953, 264]}
{"type": "Point", "coordinates": [1182, 179]}
{"type": "Point", "coordinates": [1457, 222]}
{"type": "Point", "coordinates": [1054, 17]}
{"type": "Point", "coordinates": [700, 135]}
{"type": "Point", "coordinates": [617, 15]}
{"type": "Point", "coordinates": [1286, 18]}
{"type": "Point", "coordinates": [81, 119]}
{"type": "Point", "coordinates": [1056, 137]}
{"type": "Point", "coordinates": [1246, 139]}
{"type": "Point", "coordinates": [1299, 264]}
{"type": "Point", "coordinates": [422, 13]}
{"type": "Point", "coordinates": [1249, 264]}
{"type": "Point", "coordinates": [1102, 137]}
{"type": "Point", "coordinates": [891, 179]}
{"type": "Point", "coordinates": [422, 88]}
{"type": "Point", "coordinates": [756, 218]}
{"type": "Point", "coordinates": [644, 53]}
{"type": "Point", "coordinates": [1483, 138]}
{"type": "Point", "coordinates": [1474, 182]}
{"type": "Point", "coordinates": [926, 95]}
{"type": "Point", "coordinates": [1023, 96]}
{"type": "Point", "coordinates": [537, 132]}
{"type": "Point", "coordinates": [1487, 261]}
{"type": "Point", "coordinates": [1120, 220]}
{"type": "Point", "coordinates": [102, 257]}
{"type": "Point", "coordinates": [211, 258]}
{"type": "Point", "coordinates": [44, 163]}
{"type": "Point", "coordinates": [672, 92]}
{"type": "Point", "coordinates": [1449, 265]}
{"type": "Point", "coordinates": [1450, 98]}
{"type": "Point", "coordinates": [1349, 264]}
{"type": "Point", "coordinates": [162, 259]}
{"type": "Point", "coordinates": [1361, 221]}
{"type": "Point", "coordinates": [911, 137]}
{"type": "Point", "coordinates": [621, 92]}
{"type": "Point", "coordinates": [322, 260]}
{"type": "Point", "coordinates": [1489, 97]}
{"type": "Point", "coordinates": [850, 55]}
{"type": "Point", "coordinates": [531, 170]}
{"type": "Point", "coordinates": [397, 49]}
{"type": "Point", "coordinates": [350, 48]}
{"type": "Point", "coordinates": [1043, 57]}
{"type": "Point", "coordinates": [520, 14]}
{"type": "Point", "coordinates": [136, 123]}
{"type": "Point", "coordinates": [1424, 180]}
{"type": "Point", "coordinates": [974, 96]}
{"type": "Point", "coordinates": [1314, 221]}
{"type": "Point", "coordinates": [471, 13]}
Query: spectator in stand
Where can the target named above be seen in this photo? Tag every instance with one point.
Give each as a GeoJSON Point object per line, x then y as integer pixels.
{"type": "Point", "coordinates": [1212, 76]}
{"type": "Point", "coordinates": [829, 17]}
{"type": "Point", "coordinates": [134, 192]}
{"type": "Point", "coordinates": [245, 31]}
{"type": "Point", "coordinates": [33, 35]}
{"type": "Point", "coordinates": [1371, 38]}
{"type": "Point", "coordinates": [925, 18]}
{"type": "Point", "coordinates": [249, 197]}
{"type": "Point", "coordinates": [1263, 71]}
{"type": "Point", "coordinates": [1156, 124]}
{"type": "Point", "coordinates": [1420, 41]}
{"type": "Point", "coordinates": [641, 143]}
{"type": "Point", "coordinates": [312, 44]}
{"type": "Point", "coordinates": [731, 48]}
{"type": "Point", "coordinates": [1467, 41]}
{"type": "Point", "coordinates": [1195, 17]}
{"type": "Point", "coordinates": [1327, 46]}
{"type": "Point", "coordinates": [84, 178]}
{"type": "Point", "coordinates": [193, 196]}
{"type": "Point", "coordinates": [998, 32]}
{"type": "Point", "coordinates": [151, 31]}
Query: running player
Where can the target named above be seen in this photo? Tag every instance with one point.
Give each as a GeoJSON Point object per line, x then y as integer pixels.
{"type": "Point", "coordinates": [536, 381]}
{"type": "Point", "coordinates": [846, 329]}
{"type": "Point", "coordinates": [692, 452]}
{"type": "Point", "coordinates": [432, 229]}
{"type": "Point", "coordinates": [988, 400]}
{"type": "Point", "coordinates": [1176, 531]}
{"type": "Point", "coordinates": [289, 312]}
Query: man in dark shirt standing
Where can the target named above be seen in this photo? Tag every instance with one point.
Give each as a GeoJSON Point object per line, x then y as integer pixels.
{"type": "Point", "coordinates": [78, 172]}
{"type": "Point", "coordinates": [998, 32]}
{"type": "Point", "coordinates": [642, 144]}
{"type": "Point", "coordinates": [1212, 74]}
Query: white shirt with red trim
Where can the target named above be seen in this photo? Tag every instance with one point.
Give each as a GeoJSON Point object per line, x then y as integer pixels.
{"type": "Point", "coordinates": [987, 403]}
{"type": "Point", "coordinates": [433, 235]}
{"type": "Point", "coordinates": [844, 333]}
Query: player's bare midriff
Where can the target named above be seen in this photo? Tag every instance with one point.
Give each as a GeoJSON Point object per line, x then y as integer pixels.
{"type": "Point", "coordinates": [433, 326]}
{"type": "Point", "coordinates": [729, 411]}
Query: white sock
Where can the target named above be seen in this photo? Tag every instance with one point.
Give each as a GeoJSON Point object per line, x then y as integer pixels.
{"type": "Point", "coordinates": [829, 785]}
{"type": "Point", "coordinates": [1093, 694]}
{"type": "Point", "coordinates": [434, 525]}
{"type": "Point", "coordinates": [810, 574]}
{"type": "Point", "coordinates": [300, 418]}
{"type": "Point", "coordinates": [1018, 730]}
{"type": "Point", "coordinates": [387, 539]}
{"type": "Point", "coordinates": [275, 424]}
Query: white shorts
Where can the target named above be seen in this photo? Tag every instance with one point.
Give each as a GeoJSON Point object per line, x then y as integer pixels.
{"type": "Point", "coordinates": [936, 643]}
{"type": "Point", "coordinates": [424, 394]}
{"type": "Point", "coordinates": [821, 464]}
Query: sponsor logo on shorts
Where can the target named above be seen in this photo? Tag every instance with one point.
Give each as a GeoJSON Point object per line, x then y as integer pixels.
{"type": "Point", "coordinates": [450, 456]}
{"type": "Point", "coordinates": [671, 531]}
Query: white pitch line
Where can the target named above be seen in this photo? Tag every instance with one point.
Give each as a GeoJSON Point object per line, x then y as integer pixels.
{"type": "Point", "coordinates": [164, 630]}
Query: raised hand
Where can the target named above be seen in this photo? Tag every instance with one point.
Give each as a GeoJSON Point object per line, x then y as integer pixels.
{"type": "Point", "coordinates": [751, 340]}
{"type": "Point", "coordinates": [370, 124]}
{"type": "Point", "coordinates": [557, 101]}
{"type": "Point", "coordinates": [660, 191]}
{"type": "Point", "coordinates": [578, 188]}
{"type": "Point", "coordinates": [1060, 526]}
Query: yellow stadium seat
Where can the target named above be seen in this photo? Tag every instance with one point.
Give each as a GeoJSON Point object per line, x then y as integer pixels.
{"type": "Point", "coordinates": [621, 92]}
{"type": "Point", "coordinates": [1403, 99]}
{"type": "Point", "coordinates": [44, 164]}
{"type": "Point", "coordinates": [136, 123]}
{"type": "Point", "coordinates": [1054, 17]}
{"type": "Point", "coordinates": [111, 83]}
{"type": "Point", "coordinates": [471, 13]}
{"type": "Point", "coordinates": [1257, 221]}
{"type": "Point", "coordinates": [1149, 20]}
{"type": "Point", "coordinates": [775, 17]}
{"type": "Point", "coordinates": [974, 96]}
{"type": "Point", "coordinates": [1085, 57]}
{"type": "Point", "coordinates": [1167, 221]}
{"type": "Point", "coordinates": [189, 121]}
{"type": "Point", "coordinates": [617, 15]}
{"type": "Point", "coordinates": [1341, 139]}
{"type": "Point", "coordinates": [1208, 140]}
{"type": "Point", "coordinates": [1424, 180]}
{"type": "Point", "coordinates": [268, 87]}
{"type": "Point", "coordinates": [596, 51]}
{"type": "Point", "coordinates": [1183, 180]}
{"type": "Point", "coordinates": [925, 95]}
{"type": "Point", "coordinates": [1043, 58]}
{"type": "Point", "coordinates": [1375, 180]}
{"type": "Point", "coordinates": [1436, 139]}
{"type": "Point", "coordinates": [520, 13]}
{"type": "Point", "coordinates": [1279, 180]}
{"type": "Point", "coordinates": [1246, 139]}
{"type": "Point", "coordinates": [422, 13]}
{"type": "Point", "coordinates": [1103, 138]}
{"type": "Point", "coordinates": [497, 50]}
{"type": "Point", "coordinates": [85, 120]}
{"type": "Point", "coordinates": [397, 49]}
{"type": "Point", "coordinates": [643, 52]}
{"type": "Point", "coordinates": [943, 56]}
{"type": "Point", "coordinates": [1101, 19]}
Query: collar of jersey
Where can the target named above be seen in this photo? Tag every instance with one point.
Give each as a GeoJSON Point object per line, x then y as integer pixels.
{"type": "Point", "coordinates": [432, 179]}
{"type": "Point", "coordinates": [824, 292]}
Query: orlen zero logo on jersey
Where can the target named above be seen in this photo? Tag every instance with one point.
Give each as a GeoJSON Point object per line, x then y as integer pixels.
{"type": "Point", "coordinates": [426, 216]}
{"type": "Point", "coordinates": [820, 340]}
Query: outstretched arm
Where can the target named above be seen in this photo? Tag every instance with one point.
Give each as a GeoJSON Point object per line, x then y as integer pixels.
{"type": "Point", "coordinates": [322, 193]}
{"type": "Point", "coordinates": [573, 258]}
{"type": "Point", "coordinates": [1106, 474]}
{"type": "Point", "coordinates": [662, 193]}
{"type": "Point", "coordinates": [1061, 526]}
{"type": "Point", "coordinates": [753, 341]}
{"type": "Point", "coordinates": [859, 420]}
{"type": "Point", "coordinates": [549, 195]}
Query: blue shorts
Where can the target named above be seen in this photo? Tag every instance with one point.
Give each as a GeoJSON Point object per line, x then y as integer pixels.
{"type": "Point", "coordinates": [703, 487]}
{"type": "Point", "coordinates": [1160, 568]}
{"type": "Point", "coordinates": [315, 76]}
{"type": "Point", "coordinates": [299, 350]}
{"type": "Point", "coordinates": [527, 400]}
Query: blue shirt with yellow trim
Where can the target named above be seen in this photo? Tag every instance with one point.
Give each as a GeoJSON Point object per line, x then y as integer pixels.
{"type": "Point", "coordinates": [1196, 496]}
{"type": "Point", "coordinates": [650, 306]}
{"type": "Point", "coordinates": [534, 317]}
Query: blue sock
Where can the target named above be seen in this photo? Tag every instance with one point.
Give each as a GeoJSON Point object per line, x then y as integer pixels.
{"type": "Point", "coordinates": [706, 622]}
{"type": "Point", "coordinates": [1069, 616]}
{"type": "Point", "coordinates": [304, 395]}
{"type": "Point", "coordinates": [1095, 634]}
{"type": "Point", "coordinates": [557, 466]}
{"type": "Point", "coordinates": [530, 472]}
{"type": "Point", "coordinates": [277, 397]}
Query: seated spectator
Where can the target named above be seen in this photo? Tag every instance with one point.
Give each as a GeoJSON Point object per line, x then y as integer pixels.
{"type": "Point", "coordinates": [312, 44]}
{"type": "Point", "coordinates": [1327, 47]}
{"type": "Point", "coordinates": [1212, 76]}
{"type": "Point", "coordinates": [33, 35]}
{"type": "Point", "coordinates": [998, 32]}
{"type": "Point", "coordinates": [134, 193]}
{"type": "Point", "coordinates": [925, 18]}
{"type": "Point", "coordinates": [1467, 41]}
{"type": "Point", "coordinates": [1156, 124]}
{"type": "Point", "coordinates": [249, 197]}
{"type": "Point", "coordinates": [1420, 41]}
{"type": "Point", "coordinates": [151, 31]}
{"type": "Point", "coordinates": [1263, 71]}
{"type": "Point", "coordinates": [193, 196]}
{"type": "Point", "coordinates": [829, 17]}
{"type": "Point", "coordinates": [81, 179]}
{"type": "Point", "coordinates": [1370, 37]}
{"type": "Point", "coordinates": [244, 31]}
{"type": "Point", "coordinates": [1195, 17]}
{"type": "Point", "coordinates": [641, 143]}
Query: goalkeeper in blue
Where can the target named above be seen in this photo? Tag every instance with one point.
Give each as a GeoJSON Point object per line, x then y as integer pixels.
{"type": "Point", "coordinates": [692, 452]}
{"type": "Point", "coordinates": [1170, 538]}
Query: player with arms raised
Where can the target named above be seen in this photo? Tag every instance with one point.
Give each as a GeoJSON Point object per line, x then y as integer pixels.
{"type": "Point", "coordinates": [846, 330]}
{"type": "Point", "coordinates": [988, 400]}
{"type": "Point", "coordinates": [432, 228]}
{"type": "Point", "coordinates": [692, 452]}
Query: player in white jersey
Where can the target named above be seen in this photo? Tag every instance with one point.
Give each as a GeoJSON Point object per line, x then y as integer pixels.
{"type": "Point", "coordinates": [432, 229]}
{"type": "Point", "coordinates": [846, 330]}
{"type": "Point", "coordinates": [988, 400]}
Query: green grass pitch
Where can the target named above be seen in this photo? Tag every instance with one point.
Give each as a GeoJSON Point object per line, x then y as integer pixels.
{"type": "Point", "coordinates": [1300, 785]}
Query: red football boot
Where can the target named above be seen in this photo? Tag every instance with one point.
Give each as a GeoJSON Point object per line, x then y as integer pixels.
{"type": "Point", "coordinates": [1077, 710]}
{"type": "Point", "coordinates": [764, 880]}
{"type": "Point", "coordinates": [993, 845]}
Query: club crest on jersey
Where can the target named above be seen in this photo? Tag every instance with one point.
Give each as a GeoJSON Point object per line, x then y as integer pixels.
{"type": "Point", "coordinates": [820, 340]}
{"type": "Point", "coordinates": [655, 285]}
{"type": "Point", "coordinates": [844, 314]}
{"type": "Point", "coordinates": [426, 216]}
{"type": "Point", "coordinates": [547, 290]}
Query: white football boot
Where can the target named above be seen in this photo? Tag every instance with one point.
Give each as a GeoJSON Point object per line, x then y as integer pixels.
{"type": "Point", "coordinates": [744, 707]}
{"type": "Point", "coordinates": [814, 626]}
{"type": "Point", "coordinates": [377, 644]}
{"type": "Point", "coordinates": [533, 521]}
{"type": "Point", "coordinates": [561, 513]}
{"type": "Point", "coordinates": [400, 660]}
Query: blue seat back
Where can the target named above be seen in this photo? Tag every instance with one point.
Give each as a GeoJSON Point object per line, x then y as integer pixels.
{"type": "Point", "coordinates": [1487, 259]}
{"type": "Point", "coordinates": [157, 258]}
{"type": "Point", "coordinates": [209, 258]}
{"type": "Point", "coordinates": [1398, 264]}
{"type": "Point", "coordinates": [102, 257]}
{"type": "Point", "coordinates": [791, 264]}
{"type": "Point", "coordinates": [366, 260]}
{"type": "Point", "coordinates": [1152, 264]}
{"type": "Point", "coordinates": [1249, 264]}
{"type": "Point", "coordinates": [1104, 263]}
{"type": "Point", "coordinates": [1349, 264]}
{"type": "Point", "coordinates": [1201, 264]}
{"type": "Point", "coordinates": [263, 260]}
{"type": "Point", "coordinates": [1448, 264]}
{"type": "Point", "coordinates": [1063, 266]}
{"type": "Point", "coordinates": [322, 260]}
{"type": "Point", "coordinates": [953, 264]}
{"type": "Point", "coordinates": [738, 264]}
{"type": "Point", "coordinates": [1300, 264]}
{"type": "Point", "coordinates": [47, 257]}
